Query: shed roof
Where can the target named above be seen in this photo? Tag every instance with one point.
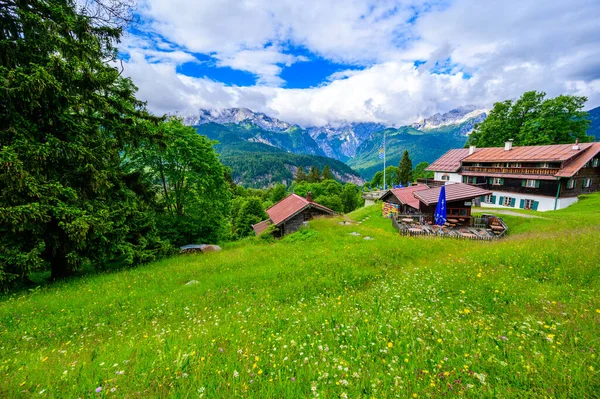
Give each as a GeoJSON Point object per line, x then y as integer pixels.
{"type": "Point", "coordinates": [261, 226]}
{"type": "Point", "coordinates": [450, 161]}
{"type": "Point", "coordinates": [291, 205]}
{"type": "Point", "coordinates": [454, 192]}
{"type": "Point", "coordinates": [406, 194]}
{"type": "Point", "coordinates": [533, 153]}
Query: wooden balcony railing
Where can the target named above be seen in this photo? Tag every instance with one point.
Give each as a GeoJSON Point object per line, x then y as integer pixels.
{"type": "Point", "coordinates": [520, 171]}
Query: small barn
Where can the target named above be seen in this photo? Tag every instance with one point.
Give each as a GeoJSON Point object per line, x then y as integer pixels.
{"type": "Point", "coordinates": [401, 200]}
{"type": "Point", "coordinates": [291, 213]}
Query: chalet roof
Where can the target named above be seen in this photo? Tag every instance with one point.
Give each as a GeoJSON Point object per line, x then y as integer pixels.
{"type": "Point", "coordinates": [406, 195]}
{"type": "Point", "coordinates": [534, 153]}
{"type": "Point", "coordinates": [454, 192]}
{"type": "Point", "coordinates": [586, 155]}
{"type": "Point", "coordinates": [450, 161]}
{"type": "Point", "coordinates": [290, 206]}
{"type": "Point", "coordinates": [261, 226]}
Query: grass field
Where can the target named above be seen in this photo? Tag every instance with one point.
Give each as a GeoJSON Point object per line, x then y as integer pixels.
{"type": "Point", "coordinates": [326, 314]}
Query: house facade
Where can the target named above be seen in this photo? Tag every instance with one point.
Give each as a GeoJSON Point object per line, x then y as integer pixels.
{"type": "Point", "coordinates": [291, 213]}
{"type": "Point", "coordinates": [540, 178]}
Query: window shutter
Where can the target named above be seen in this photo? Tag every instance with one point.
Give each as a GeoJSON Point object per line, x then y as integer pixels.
{"type": "Point", "coordinates": [501, 201]}
{"type": "Point", "coordinates": [493, 199]}
{"type": "Point", "coordinates": [537, 184]}
{"type": "Point", "coordinates": [535, 205]}
{"type": "Point", "coordinates": [464, 179]}
{"type": "Point", "coordinates": [512, 202]}
{"type": "Point", "coordinates": [523, 183]}
{"type": "Point", "coordinates": [501, 182]}
{"type": "Point", "coordinates": [482, 198]}
{"type": "Point", "coordinates": [490, 180]}
{"type": "Point", "coordinates": [522, 204]}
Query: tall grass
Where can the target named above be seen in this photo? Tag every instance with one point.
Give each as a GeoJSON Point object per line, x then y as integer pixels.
{"type": "Point", "coordinates": [323, 313]}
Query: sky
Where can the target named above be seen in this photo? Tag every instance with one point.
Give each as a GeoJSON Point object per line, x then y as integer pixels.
{"type": "Point", "coordinates": [328, 61]}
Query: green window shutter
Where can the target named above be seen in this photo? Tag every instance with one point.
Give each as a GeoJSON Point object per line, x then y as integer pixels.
{"type": "Point", "coordinates": [501, 182]}
{"type": "Point", "coordinates": [490, 180]}
{"type": "Point", "coordinates": [537, 184]}
{"type": "Point", "coordinates": [493, 199]}
{"type": "Point", "coordinates": [482, 198]}
{"type": "Point", "coordinates": [535, 205]}
{"type": "Point", "coordinates": [522, 204]}
{"type": "Point", "coordinates": [523, 183]}
{"type": "Point", "coordinates": [501, 201]}
{"type": "Point", "coordinates": [512, 202]}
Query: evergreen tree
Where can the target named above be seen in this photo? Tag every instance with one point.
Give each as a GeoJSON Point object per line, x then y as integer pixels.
{"type": "Point", "coordinates": [533, 120]}
{"type": "Point", "coordinates": [66, 196]}
{"type": "Point", "coordinates": [327, 175]}
{"type": "Point", "coordinates": [405, 169]}
{"type": "Point", "coordinates": [314, 175]}
{"type": "Point", "coordinates": [300, 175]}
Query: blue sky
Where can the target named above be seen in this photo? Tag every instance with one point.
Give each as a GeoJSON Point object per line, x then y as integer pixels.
{"type": "Point", "coordinates": [319, 62]}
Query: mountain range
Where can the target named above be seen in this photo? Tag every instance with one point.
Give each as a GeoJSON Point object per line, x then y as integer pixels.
{"type": "Point", "coordinates": [353, 143]}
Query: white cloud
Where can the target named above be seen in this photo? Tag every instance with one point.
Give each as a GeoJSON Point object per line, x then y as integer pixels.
{"type": "Point", "coordinates": [506, 47]}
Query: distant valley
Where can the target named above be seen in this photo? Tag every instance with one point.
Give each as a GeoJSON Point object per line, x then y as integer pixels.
{"type": "Point", "coordinates": [263, 150]}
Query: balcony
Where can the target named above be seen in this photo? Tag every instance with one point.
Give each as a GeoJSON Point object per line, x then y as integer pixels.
{"type": "Point", "coordinates": [516, 171]}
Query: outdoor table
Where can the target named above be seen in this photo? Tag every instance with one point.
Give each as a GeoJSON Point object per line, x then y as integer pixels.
{"type": "Point", "coordinates": [452, 220]}
{"type": "Point", "coordinates": [407, 220]}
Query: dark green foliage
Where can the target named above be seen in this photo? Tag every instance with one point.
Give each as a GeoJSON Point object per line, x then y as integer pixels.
{"type": "Point", "coordinates": [251, 212]}
{"type": "Point", "coordinates": [66, 197]}
{"type": "Point", "coordinates": [301, 175]}
{"type": "Point", "coordinates": [391, 177]}
{"type": "Point", "coordinates": [405, 170]}
{"type": "Point", "coordinates": [278, 193]}
{"type": "Point", "coordinates": [314, 175]}
{"type": "Point", "coordinates": [351, 197]}
{"type": "Point", "coordinates": [533, 119]}
{"type": "Point", "coordinates": [421, 173]}
{"type": "Point", "coordinates": [327, 175]}
{"type": "Point", "coordinates": [193, 194]}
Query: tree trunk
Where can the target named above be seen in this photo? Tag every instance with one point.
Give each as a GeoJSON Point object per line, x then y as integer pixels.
{"type": "Point", "coordinates": [59, 266]}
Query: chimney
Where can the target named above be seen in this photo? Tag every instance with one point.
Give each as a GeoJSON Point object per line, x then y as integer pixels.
{"type": "Point", "coordinates": [309, 196]}
{"type": "Point", "coordinates": [576, 146]}
{"type": "Point", "coordinates": [471, 149]}
{"type": "Point", "coordinates": [508, 145]}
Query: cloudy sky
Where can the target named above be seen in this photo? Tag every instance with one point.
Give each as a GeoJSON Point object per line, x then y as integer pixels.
{"type": "Point", "coordinates": [324, 61]}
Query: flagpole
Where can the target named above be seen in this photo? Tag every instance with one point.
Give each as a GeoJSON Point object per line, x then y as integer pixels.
{"type": "Point", "coordinates": [384, 181]}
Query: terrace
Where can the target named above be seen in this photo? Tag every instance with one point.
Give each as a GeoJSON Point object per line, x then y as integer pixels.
{"type": "Point", "coordinates": [484, 227]}
{"type": "Point", "coordinates": [511, 170]}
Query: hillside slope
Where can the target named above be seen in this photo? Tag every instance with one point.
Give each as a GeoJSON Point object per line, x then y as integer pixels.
{"type": "Point", "coordinates": [256, 164]}
{"type": "Point", "coordinates": [325, 312]}
{"type": "Point", "coordinates": [594, 128]}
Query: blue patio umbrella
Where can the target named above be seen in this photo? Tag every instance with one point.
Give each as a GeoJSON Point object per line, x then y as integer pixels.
{"type": "Point", "coordinates": [440, 210]}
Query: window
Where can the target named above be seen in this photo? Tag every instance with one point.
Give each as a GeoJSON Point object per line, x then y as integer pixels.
{"type": "Point", "coordinates": [529, 204]}
{"type": "Point", "coordinates": [544, 165]}
{"type": "Point", "coordinates": [570, 184]}
{"type": "Point", "coordinates": [497, 181]}
{"type": "Point", "coordinates": [489, 199]}
{"type": "Point", "coordinates": [532, 183]}
{"type": "Point", "coordinates": [445, 177]}
{"type": "Point", "coordinates": [516, 165]}
{"type": "Point", "coordinates": [470, 179]}
{"type": "Point", "coordinates": [596, 162]}
{"type": "Point", "coordinates": [508, 201]}
{"type": "Point", "coordinates": [587, 183]}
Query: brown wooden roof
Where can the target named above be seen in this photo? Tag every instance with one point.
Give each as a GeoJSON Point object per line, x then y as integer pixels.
{"type": "Point", "coordinates": [510, 175]}
{"type": "Point", "coordinates": [261, 226]}
{"type": "Point", "coordinates": [578, 163]}
{"type": "Point", "coordinates": [406, 194]}
{"type": "Point", "coordinates": [450, 161]}
{"type": "Point", "coordinates": [535, 153]}
{"type": "Point", "coordinates": [291, 205]}
{"type": "Point", "coordinates": [454, 192]}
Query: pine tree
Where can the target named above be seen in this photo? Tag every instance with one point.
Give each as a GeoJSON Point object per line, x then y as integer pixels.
{"type": "Point", "coordinates": [405, 169]}
{"type": "Point", "coordinates": [300, 175]}
{"type": "Point", "coordinates": [314, 176]}
{"type": "Point", "coordinates": [327, 175]}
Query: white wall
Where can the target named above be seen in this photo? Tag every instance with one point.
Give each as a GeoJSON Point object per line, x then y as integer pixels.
{"type": "Point", "coordinates": [565, 202]}
{"type": "Point", "coordinates": [454, 177]}
{"type": "Point", "coordinates": [545, 203]}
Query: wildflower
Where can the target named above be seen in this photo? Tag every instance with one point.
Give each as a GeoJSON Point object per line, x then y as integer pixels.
{"type": "Point", "coordinates": [390, 344]}
{"type": "Point", "coordinates": [467, 310]}
{"type": "Point", "coordinates": [113, 389]}
{"type": "Point", "coordinates": [235, 374]}
{"type": "Point", "coordinates": [98, 389]}
{"type": "Point", "coordinates": [293, 379]}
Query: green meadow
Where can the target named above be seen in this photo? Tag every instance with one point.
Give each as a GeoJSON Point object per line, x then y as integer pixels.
{"type": "Point", "coordinates": [323, 313]}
